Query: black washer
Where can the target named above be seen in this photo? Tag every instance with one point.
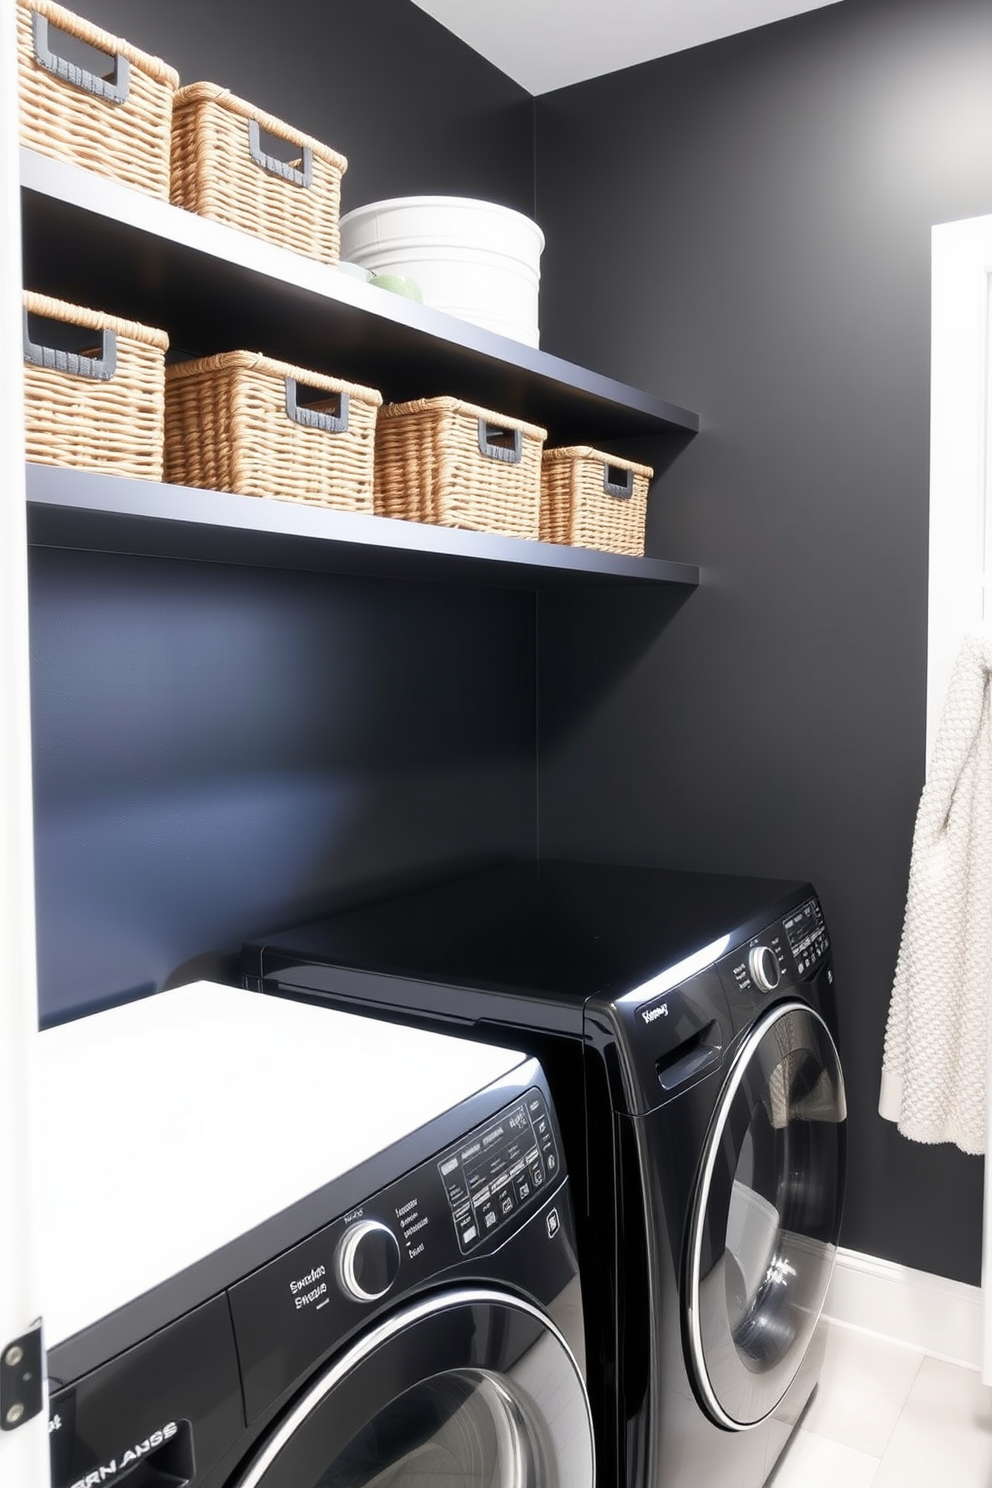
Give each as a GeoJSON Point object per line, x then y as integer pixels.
{"type": "Point", "coordinates": [396, 1340]}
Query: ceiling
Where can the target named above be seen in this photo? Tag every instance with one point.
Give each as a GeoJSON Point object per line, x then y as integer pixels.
{"type": "Point", "coordinates": [546, 44]}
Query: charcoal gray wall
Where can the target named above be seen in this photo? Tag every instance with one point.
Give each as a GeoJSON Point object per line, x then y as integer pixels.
{"type": "Point", "coordinates": [745, 229]}
{"type": "Point", "coordinates": [221, 751]}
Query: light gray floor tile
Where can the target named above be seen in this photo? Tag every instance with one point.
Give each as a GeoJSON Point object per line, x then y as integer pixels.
{"type": "Point", "coordinates": [864, 1384]}
{"type": "Point", "coordinates": [812, 1461]}
{"type": "Point", "coordinates": [943, 1438]}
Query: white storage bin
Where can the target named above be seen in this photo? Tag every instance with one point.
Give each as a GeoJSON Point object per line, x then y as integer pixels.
{"type": "Point", "coordinates": [473, 259]}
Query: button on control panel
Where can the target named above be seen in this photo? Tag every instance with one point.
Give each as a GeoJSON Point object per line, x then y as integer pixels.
{"type": "Point", "coordinates": [762, 963]}
{"type": "Point", "coordinates": [368, 1259]}
{"type": "Point", "coordinates": [500, 1170]}
{"type": "Point", "coordinates": [807, 936]}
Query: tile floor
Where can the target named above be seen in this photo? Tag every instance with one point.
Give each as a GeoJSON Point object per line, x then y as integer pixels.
{"type": "Point", "coordinates": [886, 1416]}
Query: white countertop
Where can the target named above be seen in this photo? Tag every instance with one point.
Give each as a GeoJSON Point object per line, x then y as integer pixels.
{"type": "Point", "coordinates": [175, 1124]}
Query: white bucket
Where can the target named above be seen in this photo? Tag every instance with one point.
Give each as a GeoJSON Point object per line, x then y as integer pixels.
{"type": "Point", "coordinates": [472, 259]}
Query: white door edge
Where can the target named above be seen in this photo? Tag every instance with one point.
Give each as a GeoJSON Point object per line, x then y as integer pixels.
{"type": "Point", "coordinates": [23, 1450]}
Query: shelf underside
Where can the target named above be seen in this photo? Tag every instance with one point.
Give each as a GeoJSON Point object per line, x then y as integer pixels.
{"type": "Point", "coordinates": [104, 513]}
{"type": "Point", "coordinates": [95, 242]}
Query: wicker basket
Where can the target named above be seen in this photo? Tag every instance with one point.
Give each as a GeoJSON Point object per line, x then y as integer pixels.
{"type": "Point", "coordinates": [442, 461]}
{"type": "Point", "coordinates": [244, 423]}
{"type": "Point", "coordinates": [98, 406]}
{"type": "Point", "coordinates": [593, 500]}
{"type": "Point", "coordinates": [221, 169]}
{"type": "Point", "coordinates": [117, 125]}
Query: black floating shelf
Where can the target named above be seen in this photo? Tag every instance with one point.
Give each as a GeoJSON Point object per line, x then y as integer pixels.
{"type": "Point", "coordinates": [96, 242]}
{"type": "Point", "coordinates": [93, 512]}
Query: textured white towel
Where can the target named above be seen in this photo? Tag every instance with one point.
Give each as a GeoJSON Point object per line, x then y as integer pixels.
{"type": "Point", "coordinates": [935, 1065]}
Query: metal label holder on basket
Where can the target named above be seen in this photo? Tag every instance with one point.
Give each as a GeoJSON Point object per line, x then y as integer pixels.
{"type": "Point", "coordinates": [316, 418]}
{"type": "Point", "coordinates": [98, 368]}
{"type": "Point", "coordinates": [500, 443]}
{"type": "Point", "coordinates": [114, 89]}
{"type": "Point", "coordinates": [297, 175]}
{"type": "Point", "coordinates": [618, 482]}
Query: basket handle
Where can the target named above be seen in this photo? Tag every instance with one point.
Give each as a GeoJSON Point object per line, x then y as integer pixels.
{"type": "Point", "coordinates": [297, 175]}
{"type": "Point", "coordinates": [499, 443]}
{"type": "Point", "coordinates": [113, 89]}
{"type": "Point", "coordinates": [316, 418]}
{"type": "Point", "coordinates": [618, 482]}
{"type": "Point", "coordinates": [97, 368]}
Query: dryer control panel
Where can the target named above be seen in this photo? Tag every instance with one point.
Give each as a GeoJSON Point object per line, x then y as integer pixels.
{"type": "Point", "coordinates": [500, 1169]}
{"type": "Point", "coordinates": [807, 936]}
{"type": "Point", "coordinates": [794, 946]}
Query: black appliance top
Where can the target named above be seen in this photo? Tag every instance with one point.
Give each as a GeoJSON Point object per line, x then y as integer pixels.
{"type": "Point", "coordinates": [547, 931]}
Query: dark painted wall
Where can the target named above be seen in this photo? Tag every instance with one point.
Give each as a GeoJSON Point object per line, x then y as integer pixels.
{"type": "Point", "coordinates": [745, 229]}
{"type": "Point", "coordinates": [219, 751]}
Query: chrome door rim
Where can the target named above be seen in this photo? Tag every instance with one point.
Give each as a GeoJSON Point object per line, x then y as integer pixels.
{"type": "Point", "coordinates": [701, 1202]}
{"type": "Point", "coordinates": [390, 1328]}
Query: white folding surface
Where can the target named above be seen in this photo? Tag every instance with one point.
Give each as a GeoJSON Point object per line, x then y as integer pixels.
{"type": "Point", "coordinates": [172, 1125]}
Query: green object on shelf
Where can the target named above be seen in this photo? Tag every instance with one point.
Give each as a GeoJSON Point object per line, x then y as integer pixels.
{"type": "Point", "coordinates": [398, 284]}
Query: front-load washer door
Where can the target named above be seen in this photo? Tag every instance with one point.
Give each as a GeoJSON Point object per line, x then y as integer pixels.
{"type": "Point", "coordinates": [469, 1388]}
{"type": "Point", "coordinates": [766, 1216]}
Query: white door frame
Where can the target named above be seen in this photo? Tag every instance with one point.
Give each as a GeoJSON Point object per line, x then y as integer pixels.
{"type": "Point", "coordinates": [960, 515]}
{"type": "Point", "coordinates": [959, 446]}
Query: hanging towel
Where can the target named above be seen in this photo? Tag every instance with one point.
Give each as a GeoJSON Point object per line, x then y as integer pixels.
{"type": "Point", "coordinates": [935, 1064]}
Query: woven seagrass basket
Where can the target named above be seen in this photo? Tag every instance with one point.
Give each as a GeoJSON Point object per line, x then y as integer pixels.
{"type": "Point", "coordinates": [450, 463]}
{"type": "Point", "coordinates": [593, 500]}
{"type": "Point", "coordinates": [242, 422]}
{"type": "Point", "coordinates": [94, 389]}
{"type": "Point", "coordinates": [226, 168]}
{"type": "Point", "coordinates": [116, 121]}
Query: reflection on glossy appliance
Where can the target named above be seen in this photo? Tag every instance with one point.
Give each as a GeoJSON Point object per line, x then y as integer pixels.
{"type": "Point", "coordinates": [287, 1249]}
{"type": "Point", "coordinates": [683, 1020]}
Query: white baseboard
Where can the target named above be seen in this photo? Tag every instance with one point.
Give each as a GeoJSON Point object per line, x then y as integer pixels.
{"type": "Point", "coordinates": [930, 1313]}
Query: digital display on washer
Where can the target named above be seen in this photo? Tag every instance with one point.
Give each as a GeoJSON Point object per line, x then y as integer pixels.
{"type": "Point", "coordinates": [501, 1168]}
{"type": "Point", "coordinates": [807, 935]}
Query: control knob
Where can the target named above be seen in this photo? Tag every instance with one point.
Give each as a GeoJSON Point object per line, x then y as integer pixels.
{"type": "Point", "coordinates": [763, 965]}
{"type": "Point", "coordinates": [367, 1261]}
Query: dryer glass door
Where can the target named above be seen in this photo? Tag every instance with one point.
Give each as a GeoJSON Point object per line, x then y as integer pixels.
{"type": "Point", "coordinates": [470, 1388]}
{"type": "Point", "coordinates": [766, 1216]}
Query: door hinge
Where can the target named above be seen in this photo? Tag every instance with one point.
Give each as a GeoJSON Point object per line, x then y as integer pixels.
{"type": "Point", "coordinates": [21, 1379]}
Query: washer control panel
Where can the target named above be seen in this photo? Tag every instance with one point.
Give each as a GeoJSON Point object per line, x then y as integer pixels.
{"type": "Point", "coordinates": [500, 1169]}
{"type": "Point", "coordinates": [450, 1210]}
{"type": "Point", "coordinates": [807, 936]}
